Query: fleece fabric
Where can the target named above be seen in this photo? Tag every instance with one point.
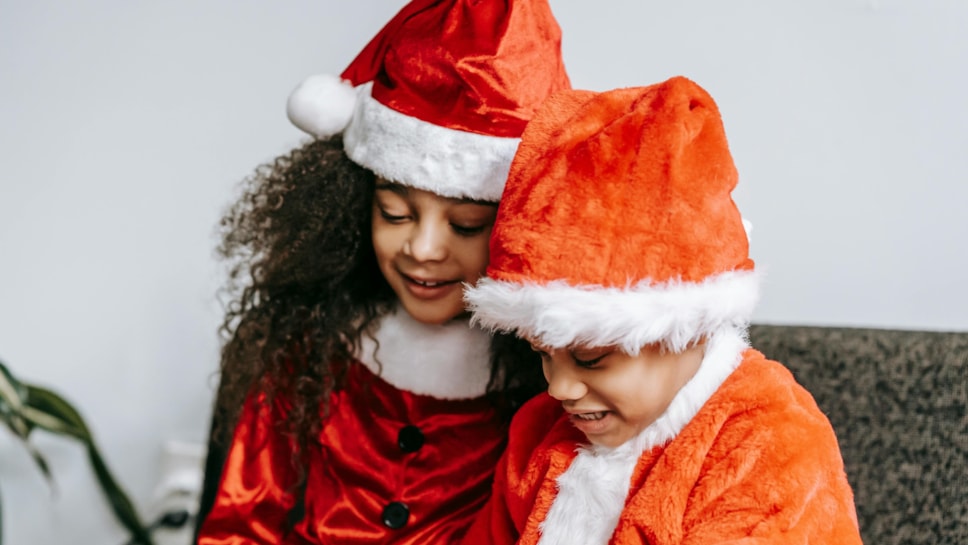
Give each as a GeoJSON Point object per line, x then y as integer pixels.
{"type": "Point", "coordinates": [758, 463]}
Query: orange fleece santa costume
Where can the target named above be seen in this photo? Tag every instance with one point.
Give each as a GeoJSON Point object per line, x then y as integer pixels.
{"type": "Point", "coordinates": [617, 228]}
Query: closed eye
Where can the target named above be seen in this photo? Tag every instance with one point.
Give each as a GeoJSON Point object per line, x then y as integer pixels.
{"type": "Point", "coordinates": [590, 357]}
{"type": "Point", "coordinates": [392, 218]}
{"type": "Point", "coordinates": [466, 231]}
{"type": "Point", "coordinates": [588, 364]}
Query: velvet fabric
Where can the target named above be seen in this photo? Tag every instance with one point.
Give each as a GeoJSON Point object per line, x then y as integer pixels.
{"type": "Point", "coordinates": [759, 463]}
{"type": "Point", "coordinates": [481, 66]}
{"type": "Point", "coordinates": [359, 468]}
{"type": "Point", "coordinates": [439, 97]}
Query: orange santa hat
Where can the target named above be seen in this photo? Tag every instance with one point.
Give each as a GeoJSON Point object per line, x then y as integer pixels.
{"type": "Point", "coordinates": [440, 96]}
{"type": "Point", "coordinates": [617, 227]}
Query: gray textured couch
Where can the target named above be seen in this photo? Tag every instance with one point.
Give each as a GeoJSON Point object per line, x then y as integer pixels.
{"type": "Point", "coordinates": [897, 400]}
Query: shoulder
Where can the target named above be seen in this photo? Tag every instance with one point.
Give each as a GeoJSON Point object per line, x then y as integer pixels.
{"type": "Point", "coordinates": [761, 436]}
{"type": "Point", "coordinates": [770, 389]}
{"type": "Point", "coordinates": [761, 411]}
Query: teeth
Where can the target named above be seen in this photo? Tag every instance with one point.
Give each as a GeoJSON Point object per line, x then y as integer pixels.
{"type": "Point", "coordinates": [591, 416]}
{"type": "Point", "coordinates": [429, 284]}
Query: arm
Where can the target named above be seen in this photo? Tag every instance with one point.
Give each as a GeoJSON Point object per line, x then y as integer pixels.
{"type": "Point", "coordinates": [790, 488]}
{"type": "Point", "coordinates": [512, 514]}
{"type": "Point", "coordinates": [253, 500]}
{"type": "Point", "coordinates": [759, 464]}
{"type": "Point", "coordinates": [493, 525]}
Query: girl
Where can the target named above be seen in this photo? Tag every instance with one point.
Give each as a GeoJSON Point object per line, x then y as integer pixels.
{"type": "Point", "coordinates": [362, 407]}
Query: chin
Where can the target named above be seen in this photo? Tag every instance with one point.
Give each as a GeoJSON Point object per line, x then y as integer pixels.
{"type": "Point", "coordinates": [432, 316]}
{"type": "Point", "coordinates": [611, 441]}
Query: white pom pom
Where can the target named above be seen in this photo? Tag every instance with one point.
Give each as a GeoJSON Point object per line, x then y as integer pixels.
{"type": "Point", "coordinates": [748, 227]}
{"type": "Point", "coordinates": [322, 105]}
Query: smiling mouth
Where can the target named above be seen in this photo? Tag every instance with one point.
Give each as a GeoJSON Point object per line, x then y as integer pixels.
{"type": "Point", "coordinates": [591, 417]}
{"type": "Point", "coordinates": [428, 283]}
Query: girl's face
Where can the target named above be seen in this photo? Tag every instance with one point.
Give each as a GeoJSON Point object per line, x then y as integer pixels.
{"type": "Point", "coordinates": [427, 246]}
{"type": "Point", "coordinates": [611, 396]}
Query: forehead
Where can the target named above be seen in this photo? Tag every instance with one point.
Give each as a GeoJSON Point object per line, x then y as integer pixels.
{"type": "Point", "coordinates": [412, 192]}
{"type": "Point", "coordinates": [579, 348]}
{"type": "Point", "coordinates": [537, 344]}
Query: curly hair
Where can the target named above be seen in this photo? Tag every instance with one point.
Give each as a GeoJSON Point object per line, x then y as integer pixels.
{"type": "Point", "coordinates": [303, 284]}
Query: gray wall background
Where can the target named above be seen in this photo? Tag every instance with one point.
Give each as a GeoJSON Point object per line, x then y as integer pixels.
{"type": "Point", "coordinates": [125, 127]}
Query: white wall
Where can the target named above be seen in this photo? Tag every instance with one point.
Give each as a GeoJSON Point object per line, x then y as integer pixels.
{"type": "Point", "coordinates": [124, 127]}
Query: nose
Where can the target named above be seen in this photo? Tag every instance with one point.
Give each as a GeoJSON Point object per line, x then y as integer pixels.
{"type": "Point", "coordinates": [563, 383]}
{"type": "Point", "coordinates": [427, 242]}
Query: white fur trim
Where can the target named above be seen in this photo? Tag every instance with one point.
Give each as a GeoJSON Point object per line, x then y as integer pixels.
{"type": "Point", "coordinates": [419, 154]}
{"type": "Point", "coordinates": [449, 361]}
{"type": "Point", "coordinates": [322, 105]}
{"type": "Point", "coordinates": [559, 315]}
{"type": "Point", "coordinates": [592, 491]}
{"type": "Point", "coordinates": [591, 495]}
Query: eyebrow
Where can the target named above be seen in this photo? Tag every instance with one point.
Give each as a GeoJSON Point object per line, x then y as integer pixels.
{"type": "Point", "coordinates": [404, 191]}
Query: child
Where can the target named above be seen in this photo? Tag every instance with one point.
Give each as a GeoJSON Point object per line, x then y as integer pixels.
{"type": "Point", "coordinates": [620, 256]}
{"type": "Point", "coordinates": [362, 406]}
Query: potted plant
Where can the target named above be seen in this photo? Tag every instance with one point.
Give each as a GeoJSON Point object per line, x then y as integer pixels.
{"type": "Point", "coordinates": [27, 407]}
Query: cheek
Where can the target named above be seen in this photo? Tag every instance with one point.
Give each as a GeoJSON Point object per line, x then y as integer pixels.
{"type": "Point", "coordinates": [652, 395]}
{"type": "Point", "coordinates": [474, 254]}
{"type": "Point", "coordinates": [383, 246]}
{"type": "Point", "coordinates": [378, 244]}
{"type": "Point", "coordinates": [626, 384]}
{"type": "Point", "coordinates": [375, 232]}
{"type": "Point", "coordinates": [387, 240]}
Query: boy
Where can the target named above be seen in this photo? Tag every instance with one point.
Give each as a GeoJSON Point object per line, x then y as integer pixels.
{"type": "Point", "coordinates": [620, 255]}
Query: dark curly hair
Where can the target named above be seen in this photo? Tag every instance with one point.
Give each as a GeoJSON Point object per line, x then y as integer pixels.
{"type": "Point", "coordinates": [303, 284]}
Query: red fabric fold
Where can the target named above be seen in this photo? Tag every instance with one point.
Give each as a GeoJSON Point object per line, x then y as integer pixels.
{"type": "Point", "coordinates": [358, 469]}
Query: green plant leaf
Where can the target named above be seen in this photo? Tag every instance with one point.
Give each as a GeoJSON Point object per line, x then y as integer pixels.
{"type": "Point", "coordinates": [11, 403]}
{"type": "Point", "coordinates": [12, 393]}
{"type": "Point", "coordinates": [24, 407]}
{"type": "Point", "coordinates": [60, 417]}
{"type": "Point", "coordinates": [46, 410]}
{"type": "Point", "coordinates": [41, 464]}
{"type": "Point", "coordinates": [17, 425]}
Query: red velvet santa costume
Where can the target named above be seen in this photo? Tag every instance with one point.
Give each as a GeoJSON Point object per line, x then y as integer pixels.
{"type": "Point", "coordinates": [436, 101]}
{"type": "Point", "coordinates": [617, 229]}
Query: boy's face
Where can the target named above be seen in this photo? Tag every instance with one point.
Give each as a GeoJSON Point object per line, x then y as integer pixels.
{"type": "Point", "coordinates": [427, 246]}
{"type": "Point", "coordinates": [611, 396]}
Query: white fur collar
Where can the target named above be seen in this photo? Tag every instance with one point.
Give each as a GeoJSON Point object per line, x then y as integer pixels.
{"type": "Point", "coordinates": [592, 491]}
{"type": "Point", "coordinates": [449, 361]}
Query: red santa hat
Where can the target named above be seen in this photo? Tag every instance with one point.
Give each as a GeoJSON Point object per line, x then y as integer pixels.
{"type": "Point", "coordinates": [439, 98]}
{"type": "Point", "coordinates": [617, 227]}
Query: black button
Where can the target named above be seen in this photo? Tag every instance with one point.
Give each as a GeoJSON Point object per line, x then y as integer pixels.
{"type": "Point", "coordinates": [410, 439]}
{"type": "Point", "coordinates": [395, 515]}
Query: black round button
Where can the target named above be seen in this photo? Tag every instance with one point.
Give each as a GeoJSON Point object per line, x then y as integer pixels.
{"type": "Point", "coordinates": [395, 515]}
{"type": "Point", "coordinates": [410, 439]}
